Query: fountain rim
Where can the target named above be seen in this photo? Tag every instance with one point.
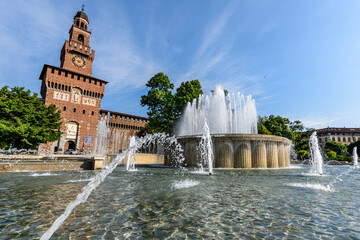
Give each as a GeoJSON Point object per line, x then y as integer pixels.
{"type": "Point", "coordinates": [237, 136]}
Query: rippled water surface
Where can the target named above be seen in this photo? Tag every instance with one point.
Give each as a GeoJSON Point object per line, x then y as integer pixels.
{"type": "Point", "coordinates": [166, 203]}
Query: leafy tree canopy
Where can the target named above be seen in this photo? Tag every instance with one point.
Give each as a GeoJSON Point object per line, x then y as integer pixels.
{"type": "Point", "coordinates": [164, 107]}
{"type": "Point", "coordinates": [339, 148]}
{"type": "Point", "coordinates": [25, 120]}
{"type": "Point", "coordinates": [304, 154]}
{"type": "Point", "coordinates": [186, 93]}
{"type": "Point", "coordinates": [280, 126]}
{"type": "Point", "coordinates": [331, 155]}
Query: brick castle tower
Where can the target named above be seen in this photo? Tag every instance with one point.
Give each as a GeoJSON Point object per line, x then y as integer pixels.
{"type": "Point", "coordinates": [73, 90]}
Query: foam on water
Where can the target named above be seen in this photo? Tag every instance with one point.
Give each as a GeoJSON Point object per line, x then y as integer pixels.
{"type": "Point", "coordinates": [43, 174]}
{"type": "Point", "coordinates": [79, 180]}
{"type": "Point", "coordinates": [132, 170]}
{"type": "Point", "coordinates": [315, 186]}
{"type": "Point", "coordinates": [314, 175]}
{"type": "Point", "coordinates": [187, 183]}
{"type": "Point", "coordinates": [294, 167]}
{"type": "Point", "coordinates": [200, 172]}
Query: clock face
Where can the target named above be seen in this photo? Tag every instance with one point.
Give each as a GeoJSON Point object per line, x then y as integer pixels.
{"type": "Point", "coordinates": [78, 61]}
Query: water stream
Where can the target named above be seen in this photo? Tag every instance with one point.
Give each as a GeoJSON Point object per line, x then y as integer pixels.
{"type": "Point", "coordinates": [355, 157]}
{"type": "Point", "coordinates": [176, 153]}
{"type": "Point", "coordinates": [316, 160]}
{"type": "Point", "coordinates": [205, 150]}
{"type": "Point", "coordinates": [131, 158]}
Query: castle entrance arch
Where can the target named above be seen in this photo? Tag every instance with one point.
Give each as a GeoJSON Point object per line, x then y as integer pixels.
{"type": "Point", "coordinates": [70, 145]}
{"type": "Point", "coordinates": [71, 135]}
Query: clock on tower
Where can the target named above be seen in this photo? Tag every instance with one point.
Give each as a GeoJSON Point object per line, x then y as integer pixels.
{"type": "Point", "coordinates": [76, 54]}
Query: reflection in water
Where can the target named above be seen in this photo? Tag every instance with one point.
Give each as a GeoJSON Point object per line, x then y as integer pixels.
{"type": "Point", "coordinates": [145, 204]}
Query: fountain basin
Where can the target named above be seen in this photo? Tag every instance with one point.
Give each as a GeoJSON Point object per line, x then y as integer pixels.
{"type": "Point", "coordinates": [239, 151]}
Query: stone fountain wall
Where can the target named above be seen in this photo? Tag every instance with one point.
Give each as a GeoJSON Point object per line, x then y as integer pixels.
{"type": "Point", "coordinates": [240, 151]}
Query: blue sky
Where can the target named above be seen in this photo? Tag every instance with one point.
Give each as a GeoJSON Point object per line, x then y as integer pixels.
{"type": "Point", "coordinates": [298, 59]}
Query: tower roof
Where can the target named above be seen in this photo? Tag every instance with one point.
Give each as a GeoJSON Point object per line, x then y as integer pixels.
{"type": "Point", "coordinates": [81, 14]}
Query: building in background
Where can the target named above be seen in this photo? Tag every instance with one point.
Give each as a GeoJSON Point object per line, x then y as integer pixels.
{"type": "Point", "coordinates": [339, 135]}
{"type": "Point", "coordinates": [72, 89]}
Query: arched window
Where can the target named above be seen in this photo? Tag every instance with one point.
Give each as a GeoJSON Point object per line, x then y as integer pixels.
{"type": "Point", "coordinates": [82, 25]}
{"type": "Point", "coordinates": [81, 38]}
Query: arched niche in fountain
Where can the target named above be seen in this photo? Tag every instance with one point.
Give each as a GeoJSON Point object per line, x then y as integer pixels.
{"type": "Point", "coordinates": [242, 158]}
{"type": "Point", "coordinates": [281, 155]}
{"type": "Point", "coordinates": [272, 155]}
{"type": "Point", "coordinates": [224, 156]}
{"type": "Point", "coordinates": [259, 155]}
{"type": "Point", "coordinates": [191, 153]}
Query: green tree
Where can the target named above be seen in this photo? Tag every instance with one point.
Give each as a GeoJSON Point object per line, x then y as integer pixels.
{"type": "Point", "coordinates": [339, 148]}
{"type": "Point", "coordinates": [351, 147]}
{"type": "Point", "coordinates": [343, 158]}
{"type": "Point", "coordinates": [25, 120]}
{"type": "Point", "coordinates": [275, 125]}
{"type": "Point", "coordinates": [164, 107]}
{"type": "Point", "coordinates": [160, 102]}
{"type": "Point", "coordinates": [301, 139]}
{"type": "Point", "coordinates": [304, 154]}
{"type": "Point", "coordinates": [186, 93]}
{"type": "Point", "coordinates": [331, 155]}
{"type": "Point", "coordinates": [280, 126]}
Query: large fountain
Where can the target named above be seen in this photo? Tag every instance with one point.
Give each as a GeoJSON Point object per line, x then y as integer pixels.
{"type": "Point", "coordinates": [232, 120]}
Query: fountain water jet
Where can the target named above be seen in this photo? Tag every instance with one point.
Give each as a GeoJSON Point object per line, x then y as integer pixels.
{"type": "Point", "coordinates": [224, 114]}
{"type": "Point", "coordinates": [206, 149]}
{"type": "Point", "coordinates": [355, 157]}
{"type": "Point", "coordinates": [131, 159]}
{"type": "Point", "coordinates": [316, 160]}
{"type": "Point", "coordinates": [102, 137]}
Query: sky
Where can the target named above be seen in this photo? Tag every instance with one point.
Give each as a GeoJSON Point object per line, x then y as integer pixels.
{"type": "Point", "coordinates": [298, 59]}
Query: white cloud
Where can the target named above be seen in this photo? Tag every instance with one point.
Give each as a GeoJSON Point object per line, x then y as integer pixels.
{"type": "Point", "coordinates": [318, 122]}
{"type": "Point", "coordinates": [215, 29]}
